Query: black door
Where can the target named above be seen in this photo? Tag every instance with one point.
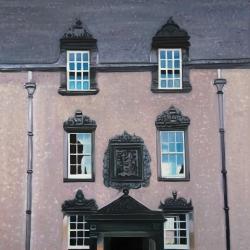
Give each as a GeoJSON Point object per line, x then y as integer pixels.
{"type": "Point", "coordinates": [124, 243]}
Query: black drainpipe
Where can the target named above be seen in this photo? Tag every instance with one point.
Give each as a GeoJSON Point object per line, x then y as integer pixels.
{"type": "Point", "coordinates": [30, 87]}
{"type": "Point", "coordinates": [219, 83]}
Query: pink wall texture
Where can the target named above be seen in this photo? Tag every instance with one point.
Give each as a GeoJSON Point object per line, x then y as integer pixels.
{"type": "Point", "coordinates": [125, 102]}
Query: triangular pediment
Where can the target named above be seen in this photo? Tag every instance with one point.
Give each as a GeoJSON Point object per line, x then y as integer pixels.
{"type": "Point", "coordinates": [124, 205]}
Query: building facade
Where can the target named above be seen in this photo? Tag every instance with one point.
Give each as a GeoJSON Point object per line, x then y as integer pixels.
{"type": "Point", "coordinates": [126, 140]}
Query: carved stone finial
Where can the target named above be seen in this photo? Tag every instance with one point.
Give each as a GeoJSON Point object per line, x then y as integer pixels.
{"type": "Point", "coordinates": [171, 21]}
{"type": "Point", "coordinates": [125, 191]}
{"type": "Point", "coordinates": [171, 118]}
{"type": "Point", "coordinates": [78, 24]}
{"type": "Point", "coordinates": [174, 193]}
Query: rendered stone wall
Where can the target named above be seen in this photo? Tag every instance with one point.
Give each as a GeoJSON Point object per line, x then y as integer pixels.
{"type": "Point", "coordinates": [124, 102]}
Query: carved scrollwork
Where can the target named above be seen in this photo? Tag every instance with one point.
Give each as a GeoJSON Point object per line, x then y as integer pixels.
{"type": "Point", "coordinates": [171, 118]}
{"type": "Point", "coordinates": [79, 204]}
{"type": "Point", "coordinates": [171, 35]}
{"type": "Point", "coordinates": [77, 31]}
{"type": "Point", "coordinates": [126, 163]}
{"type": "Point", "coordinates": [174, 204]}
{"type": "Point", "coordinates": [79, 122]}
{"type": "Point", "coordinates": [78, 37]}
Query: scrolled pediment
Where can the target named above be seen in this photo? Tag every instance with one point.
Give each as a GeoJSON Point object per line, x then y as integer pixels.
{"type": "Point", "coordinates": [79, 204]}
{"type": "Point", "coordinates": [174, 204]}
{"type": "Point", "coordinates": [171, 118]}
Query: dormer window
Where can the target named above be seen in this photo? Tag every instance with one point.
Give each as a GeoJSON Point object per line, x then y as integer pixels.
{"type": "Point", "coordinates": [170, 68]}
{"type": "Point", "coordinates": [170, 49]}
{"type": "Point", "coordinates": [79, 49]}
{"type": "Point", "coordinates": [78, 70]}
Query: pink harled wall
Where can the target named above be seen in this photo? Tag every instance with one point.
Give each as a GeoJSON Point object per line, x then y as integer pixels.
{"type": "Point", "coordinates": [125, 102]}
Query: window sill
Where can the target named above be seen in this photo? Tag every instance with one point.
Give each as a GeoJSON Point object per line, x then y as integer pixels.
{"type": "Point", "coordinates": [184, 90]}
{"type": "Point", "coordinates": [173, 179]}
{"type": "Point", "coordinates": [78, 180]}
{"type": "Point", "coordinates": [64, 91]}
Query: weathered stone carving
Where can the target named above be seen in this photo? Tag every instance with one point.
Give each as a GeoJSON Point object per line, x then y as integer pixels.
{"type": "Point", "coordinates": [77, 31]}
{"type": "Point", "coordinates": [171, 118]}
{"type": "Point", "coordinates": [79, 122]}
{"type": "Point", "coordinates": [126, 163]}
{"type": "Point", "coordinates": [175, 204]}
{"type": "Point", "coordinates": [77, 37]}
{"type": "Point", "coordinates": [79, 204]}
{"type": "Point", "coordinates": [171, 36]}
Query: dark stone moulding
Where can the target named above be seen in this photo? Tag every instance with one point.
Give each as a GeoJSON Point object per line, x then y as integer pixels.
{"type": "Point", "coordinates": [126, 163]}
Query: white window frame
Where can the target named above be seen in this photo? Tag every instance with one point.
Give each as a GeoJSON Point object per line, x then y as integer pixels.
{"type": "Point", "coordinates": [80, 176]}
{"type": "Point", "coordinates": [78, 71]}
{"type": "Point", "coordinates": [180, 176]}
{"type": "Point", "coordinates": [166, 68]}
{"type": "Point", "coordinates": [179, 246]}
{"type": "Point", "coordinates": [84, 230]}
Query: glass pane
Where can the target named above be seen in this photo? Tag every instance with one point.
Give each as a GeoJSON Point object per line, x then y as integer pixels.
{"type": "Point", "coordinates": [163, 83]}
{"type": "Point", "coordinates": [164, 148]}
{"type": "Point", "coordinates": [79, 242]}
{"type": "Point", "coordinates": [177, 64]}
{"type": "Point", "coordinates": [87, 149]}
{"type": "Point", "coordinates": [86, 165]}
{"type": "Point", "coordinates": [85, 57]}
{"type": "Point", "coordinates": [72, 85]}
{"type": "Point", "coordinates": [179, 147]}
{"type": "Point", "coordinates": [172, 147]}
{"type": "Point", "coordinates": [170, 73]}
{"type": "Point", "coordinates": [170, 64]}
{"type": "Point", "coordinates": [72, 218]}
{"type": "Point", "coordinates": [179, 136]}
{"type": "Point", "coordinates": [85, 66]}
{"type": "Point", "coordinates": [73, 242]}
{"type": "Point", "coordinates": [73, 159]}
{"type": "Point", "coordinates": [79, 85]}
{"type": "Point", "coordinates": [163, 63]}
{"type": "Point", "coordinates": [171, 136]}
{"type": "Point", "coordinates": [162, 54]}
{"type": "Point", "coordinates": [80, 218]}
{"type": "Point", "coordinates": [72, 169]}
{"type": "Point", "coordinates": [177, 83]}
{"type": "Point", "coordinates": [163, 73]}
{"type": "Point", "coordinates": [177, 73]}
{"type": "Point", "coordinates": [71, 56]}
{"type": "Point", "coordinates": [170, 83]}
{"type": "Point", "coordinates": [169, 54]}
{"type": "Point", "coordinates": [165, 158]}
{"type": "Point", "coordinates": [176, 54]}
{"type": "Point", "coordinates": [180, 161]}
{"type": "Point", "coordinates": [164, 136]}
{"type": "Point", "coordinates": [85, 85]}
{"type": "Point", "coordinates": [85, 75]}
{"type": "Point", "coordinates": [72, 75]}
{"type": "Point", "coordinates": [72, 234]}
{"type": "Point", "coordinates": [78, 57]}
{"type": "Point", "coordinates": [84, 138]}
{"type": "Point", "coordinates": [79, 66]}
{"type": "Point", "coordinates": [71, 66]}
